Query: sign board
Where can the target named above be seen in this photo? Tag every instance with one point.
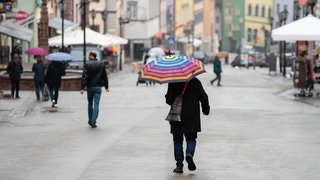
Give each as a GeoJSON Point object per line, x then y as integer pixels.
{"type": "Point", "coordinates": [2, 7]}
{"type": "Point", "coordinates": [21, 15]}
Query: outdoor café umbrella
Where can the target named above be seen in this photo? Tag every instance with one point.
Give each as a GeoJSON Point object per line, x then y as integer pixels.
{"type": "Point", "coordinates": [59, 56]}
{"type": "Point", "coordinates": [172, 68]}
{"type": "Point", "coordinates": [156, 52]}
{"type": "Point", "coordinates": [36, 51]}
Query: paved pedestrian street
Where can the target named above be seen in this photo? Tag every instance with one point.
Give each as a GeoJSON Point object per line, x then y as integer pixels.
{"type": "Point", "coordinates": [256, 129]}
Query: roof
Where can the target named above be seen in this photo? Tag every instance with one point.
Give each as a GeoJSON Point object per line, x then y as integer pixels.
{"type": "Point", "coordinates": [56, 23]}
{"type": "Point", "coordinates": [16, 30]}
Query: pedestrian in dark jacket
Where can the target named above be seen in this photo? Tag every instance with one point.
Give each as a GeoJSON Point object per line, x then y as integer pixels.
{"type": "Point", "coordinates": [15, 69]}
{"type": "Point", "coordinates": [56, 70]}
{"type": "Point", "coordinates": [39, 74]}
{"type": "Point", "coordinates": [190, 119]}
{"type": "Point", "coordinates": [217, 70]}
{"type": "Point", "coordinates": [94, 77]}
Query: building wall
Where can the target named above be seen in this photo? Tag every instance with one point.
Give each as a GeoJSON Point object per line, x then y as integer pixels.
{"type": "Point", "coordinates": [257, 22]}
{"type": "Point", "coordinates": [232, 13]}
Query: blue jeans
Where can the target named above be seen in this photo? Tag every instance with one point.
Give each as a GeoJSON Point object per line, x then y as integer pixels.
{"type": "Point", "coordinates": [93, 96]}
{"type": "Point", "coordinates": [39, 88]}
{"type": "Point", "coordinates": [54, 94]}
{"type": "Point", "coordinates": [178, 146]}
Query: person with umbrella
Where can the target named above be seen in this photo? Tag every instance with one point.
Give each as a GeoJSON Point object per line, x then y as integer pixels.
{"type": "Point", "coordinates": [56, 70]}
{"type": "Point", "coordinates": [180, 72]}
{"type": "Point", "coordinates": [15, 69]}
{"type": "Point", "coordinates": [39, 74]}
{"type": "Point", "coordinates": [193, 95]}
{"type": "Point", "coordinates": [217, 70]}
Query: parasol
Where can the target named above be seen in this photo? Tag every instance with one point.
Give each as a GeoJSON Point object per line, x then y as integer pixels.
{"type": "Point", "coordinates": [59, 56]}
{"type": "Point", "coordinates": [36, 51]}
{"type": "Point", "coordinates": [156, 52]}
{"type": "Point", "coordinates": [173, 68]}
{"type": "Point", "coordinates": [222, 54]}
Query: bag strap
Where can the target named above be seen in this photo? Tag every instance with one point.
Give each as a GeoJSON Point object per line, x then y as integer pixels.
{"type": "Point", "coordinates": [184, 88]}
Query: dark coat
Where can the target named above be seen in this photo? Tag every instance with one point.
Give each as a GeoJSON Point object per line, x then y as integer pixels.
{"type": "Point", "coordinates": [217, 66]}
{"type": "Point", "coordinates": [54, 73]}
{"type": "Point", "coordinates": [39, 71]}
{"type": "Point", "coordinates": [14, 69]}
{"type": "Point", "coordinates": [95, 75]}
{"type": "Point", "coordinates": [190, 114]}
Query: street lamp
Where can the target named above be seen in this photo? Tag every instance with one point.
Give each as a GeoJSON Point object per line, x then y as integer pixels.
{"type": "Point", "coordinates": [105, 18]}
{"type": "Point", "coordinates": [310, 5]}
{"type": "Point", "coordinates": [93, 16]}
{"type": "Point", "coordinates": [283, 19]}
{"type": "Point", "coordinates": [121, 22]}
{"type": "Point", "coordinates": [62, 7]}
{"type": "Point", "coordinates": [83, 12]}
{"type": "Point", "coordinates": [271, 26]}
{"type": "Point", "coordinates": [240, 37]}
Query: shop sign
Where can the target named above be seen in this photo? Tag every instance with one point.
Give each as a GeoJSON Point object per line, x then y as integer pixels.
{"type": "Point", "coordinates": [21, 15]}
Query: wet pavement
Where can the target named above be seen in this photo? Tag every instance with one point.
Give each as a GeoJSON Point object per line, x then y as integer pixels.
{"type": "Point", "coordinates": [256, 129]}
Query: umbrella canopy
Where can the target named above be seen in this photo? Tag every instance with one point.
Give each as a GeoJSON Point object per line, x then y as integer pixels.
{"type": "Point", "coordinates": [76, 37]}
{"type": "Point", "coordinates": [59, 56]}
{"type": "Point", "coordinates": [156, 52]}
{"type": "Point", "coordinates": [36, 51]}
{"type": "Point", "coordinates": [304, 29]}
{"type": "Point", "coordinates": [116, 39]}
{"type": "Point", "coordinates": [222, 54]}
{"type": "Point", "coordinates": [173, 68]}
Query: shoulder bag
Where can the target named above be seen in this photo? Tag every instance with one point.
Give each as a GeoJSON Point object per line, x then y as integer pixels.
{"type": "Point", "coordinates": [174, 114]}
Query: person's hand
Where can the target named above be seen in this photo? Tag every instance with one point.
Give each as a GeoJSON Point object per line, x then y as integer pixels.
{"type": "Point", "coordinates": [206, 111]}
{"type": "Point", "coordinates": [107, 90]}
{"type": "Point", "coordinates": [81, 91]}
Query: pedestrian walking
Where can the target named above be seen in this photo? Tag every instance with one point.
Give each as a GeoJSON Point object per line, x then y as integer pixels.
{"type": "Point", "coordinates": [193, 95]}
{"type": "Point", "coordinates": [93, 78]}
{"type": "Point", "coordinates": [39, 74]}
{"type": "Point", "coordinates": [15, 69]}
{"type": "Point", "coordinates": [217, 70]}
{"type": "Point", "coordinates": [55, 71]}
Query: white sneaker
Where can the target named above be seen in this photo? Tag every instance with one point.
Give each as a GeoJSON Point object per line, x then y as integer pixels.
{"type": "Point", "coordinates": [53, 103]}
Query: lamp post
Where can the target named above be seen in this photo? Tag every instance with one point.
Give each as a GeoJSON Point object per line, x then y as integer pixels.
{"type": "Point", "coordinates": [240, 37]}
{"type": "Point", "coordinates": [310, 5]}
{"type": "Point", "coordinates": [283, 19]}
{"type": "Point", "coordinates": [105, 18]}
{"type": "Point", "coordinates": [62, 7]}
{"type": "Point", "coordinates": [83, 10]}
{"type": "Point", "coordinates": [93, 16]}
{"type": "Point", "coordinates": [121, 22]}
{"type": "Point", "coordinates": [271, 26]}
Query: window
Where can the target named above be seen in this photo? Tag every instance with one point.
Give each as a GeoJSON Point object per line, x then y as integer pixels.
{"type": "Point", "coordinates": [263, 11]}
{"type": "Point", "coordinates": [249, 10]}
{"type": "Point", "coordinates": [249, 35]}
{"type": "Point", "coordinates": [198, 17]}
{"type": "Point", "coordinates": [256, 13]}
{"type": "Point", "coordinates": [269, 12]}
{"type": "Point", "coordinates": [132, 9]}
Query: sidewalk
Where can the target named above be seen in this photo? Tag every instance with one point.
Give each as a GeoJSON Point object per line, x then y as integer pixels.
{"type": "Point", "coordinates": [255, 130]}
{"type": "Point", "coordinates": [15, 108]}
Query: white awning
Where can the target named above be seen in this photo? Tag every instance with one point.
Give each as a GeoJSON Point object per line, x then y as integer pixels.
{"type": "Point", "coordinates": [196, 42]}
{"type": "Point", "coordinates": [15, 30]}
{"type": "Point", "coordinates": [56, 23]}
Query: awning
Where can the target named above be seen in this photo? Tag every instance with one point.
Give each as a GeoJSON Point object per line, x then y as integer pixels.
{"type": "Point", "coordinates": [196, 42]}
{"type": "Point", "coordinates": [15, 30]}
{"type": "Point", "coordinates": [56, 23]}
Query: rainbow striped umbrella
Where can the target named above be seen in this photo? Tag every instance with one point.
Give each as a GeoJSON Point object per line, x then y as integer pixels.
{"type": "Point", "coordinates": [173, 68]}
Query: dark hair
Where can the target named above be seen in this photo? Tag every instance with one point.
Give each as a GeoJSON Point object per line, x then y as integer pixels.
{"type": "Point", "coordinates": [168, 52]}
{"type": "Point", "coordinates": [94, 54]}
